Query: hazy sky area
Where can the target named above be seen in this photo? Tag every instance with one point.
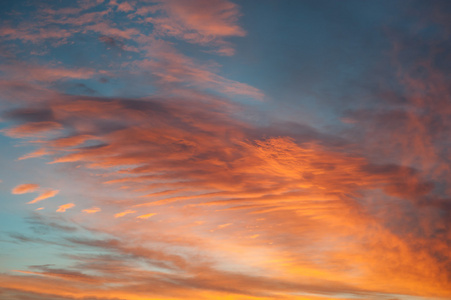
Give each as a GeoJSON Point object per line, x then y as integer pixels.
{"type": "Point", "coordinates": [210, 149]}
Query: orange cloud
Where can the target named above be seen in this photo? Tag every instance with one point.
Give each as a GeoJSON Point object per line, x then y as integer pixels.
{"type": "Point", "coordinates": [71, 141]}
{"type": "Point", "coordinates": [125, 212]}
{"type": "Point", "coordinates": [245, 211]}
{"type": "Point", "coordinates": [34, 154]}
{"type": "Point", "coordinates": [91, 210]}
{"type": "Point", "coordinates": [64, 207]}
{"type": "Point", "coordinates": [188, 165]}
{"type": "Point", "coordinates": [146, 216]}
{"type": "Point", "coordinates": [25, 188]}
{"type": "Point", "coordinates": [44, 195]}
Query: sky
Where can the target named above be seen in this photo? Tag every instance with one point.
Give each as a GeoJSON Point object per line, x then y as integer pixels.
{"type": "Point", "coordinates": [215, 149]}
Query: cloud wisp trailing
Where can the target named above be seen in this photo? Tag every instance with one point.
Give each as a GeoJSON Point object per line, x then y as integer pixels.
{"type": "Point", "coordinates": [171, 179]}
{"type": "Point", "coordinates": [44, 195]}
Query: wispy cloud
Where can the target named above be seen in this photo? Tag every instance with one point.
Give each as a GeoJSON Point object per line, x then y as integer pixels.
{"type": "Point", "coordinates": [91, 210]}
{"type": "Point", "coordinates": [146, 216]}
{"type": "Point", "coordinates": [32, 129]}
{"type": "Point", "coordinates": [203, 22]}
{"type": "Point", "coordinates": [44, 195]}
{"type": "Point", "coordinates": [64, 207]}
{"type": "Point", "coordinates": [125, 212]}
{"type": "Point", "coordinates": [25, 188]}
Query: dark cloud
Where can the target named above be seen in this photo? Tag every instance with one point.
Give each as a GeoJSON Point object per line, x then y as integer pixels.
{"type": "Point", "coordinates": [30, 115]}
{"type": "Point", "coordinates": [112, 42]}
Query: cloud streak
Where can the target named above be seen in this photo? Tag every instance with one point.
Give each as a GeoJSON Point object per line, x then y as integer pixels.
{"type": "Point", "coordinates": [44, 195]}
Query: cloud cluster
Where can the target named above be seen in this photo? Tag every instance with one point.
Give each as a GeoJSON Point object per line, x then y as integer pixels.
{"type": "Point", "coordinates": [188, 170]}
{"type": "Point", "coordinates": [32, 187]}
{"type": "Point", "coordinates": [193, 200]}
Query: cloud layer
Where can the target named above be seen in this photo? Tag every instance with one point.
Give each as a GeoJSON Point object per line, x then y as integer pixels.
{"type": "Point", "coordinates": [173, 181]}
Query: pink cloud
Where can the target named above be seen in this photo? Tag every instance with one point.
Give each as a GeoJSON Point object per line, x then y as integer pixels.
{"type": "Point", "coordinates": [106, 29]}
{"type": "Point", "coordinates": [125, 7]}
{"type": "Point", "coordinates": [32, 129]}
{"type": "Point", "coordinates": [174, 69]}
{"type": "Point", "coordinates": [35, 36]}
{"type": "Point", "coordinates": [41, 73]}
{"type": "Point", "coordinates": [199, 21]}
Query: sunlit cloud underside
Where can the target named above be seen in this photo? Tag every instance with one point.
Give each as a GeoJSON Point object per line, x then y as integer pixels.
{"type": "Point", "coordinates": [209, 149]}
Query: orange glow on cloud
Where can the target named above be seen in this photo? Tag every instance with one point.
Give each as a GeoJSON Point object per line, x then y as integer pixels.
{"type": "Point", "coordinates": [125, 212]}
{"type": "Point", "coordinates": [25, 188]}
{"type": "Point", "coordinates": [44, 195]}
{"type": "Point", "coordinates": [146, 216]}
{"type": "Point", "coordinates": [187, 186]}
{"type": "Point", "coordinates": [91, 210]}
{"type": "Point", "coordinates": [64, 207]}
{"type": "Point", "coordinates": [37, 153]}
